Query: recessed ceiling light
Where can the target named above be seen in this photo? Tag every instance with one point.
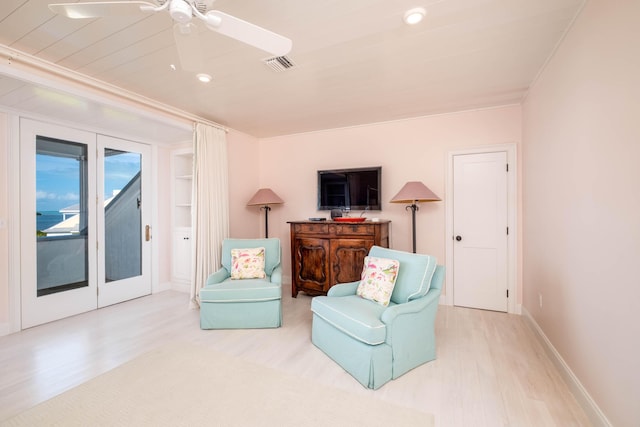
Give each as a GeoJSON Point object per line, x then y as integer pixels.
{"type": "Point", "coordinates": [172, 66]}
{"type": "Point", "coordinates": [204, 78]}
{"type": "Point", "coordinates": [413, 16]}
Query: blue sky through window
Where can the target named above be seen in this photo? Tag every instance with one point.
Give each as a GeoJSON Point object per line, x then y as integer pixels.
{"type": "Point", "coordinates": [58, 181]}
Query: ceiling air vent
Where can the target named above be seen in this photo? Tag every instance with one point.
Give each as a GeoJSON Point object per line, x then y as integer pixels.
{"type": "Point", "coordinates": [279, 63]}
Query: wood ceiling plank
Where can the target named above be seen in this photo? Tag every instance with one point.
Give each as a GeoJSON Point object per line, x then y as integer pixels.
{"type": "Point", "coordinates": [7, 7]}
{"type": "Point", "coordinates": [48, 33]}
{"type": "Point", "coordinates": [7, 86]}
{"type": "Point", "coordinates": [22, 17]}
{"type": "Point", "coordinates": [138, 51]}
{"type": "Point", "coordinates": [103, 36]}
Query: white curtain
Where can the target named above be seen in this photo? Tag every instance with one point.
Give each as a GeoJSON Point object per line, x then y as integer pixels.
{"type": "Point", "coordinates": [210, 204]}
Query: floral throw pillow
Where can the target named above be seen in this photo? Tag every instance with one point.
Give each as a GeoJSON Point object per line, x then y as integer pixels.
{"type": "Point", "coordinates": [378, 279]}
{"type": "Point", "coordinates": [247, 263]}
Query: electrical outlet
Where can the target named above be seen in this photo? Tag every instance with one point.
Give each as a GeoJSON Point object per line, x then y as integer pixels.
{"type": "Point", "coordinates": [540, 298]}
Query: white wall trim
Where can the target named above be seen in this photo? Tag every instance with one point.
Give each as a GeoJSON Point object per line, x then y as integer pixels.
{"type": "Point", "coordinates": [512, 239]}
{"type": "Point", "coordinates": [15, 305]}
{"type": "Point", "coordinates": [595, 415]}
{"type": "Point", "coordinates": [156, 238]}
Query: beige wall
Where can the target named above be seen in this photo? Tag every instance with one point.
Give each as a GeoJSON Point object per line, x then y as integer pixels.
{"type": "Point", "coordinates": [4, 233]}
{"type": "Point", "coordinates": [407, 150]}
{"type": "Point", "coordinates": [244, 167]}
{"type": "Point", "coordinates": [581, 157]}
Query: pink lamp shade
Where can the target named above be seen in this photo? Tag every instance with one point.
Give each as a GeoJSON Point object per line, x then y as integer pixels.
{"type": "Point", "coordinates": [265, 196]}
{"type": "Point", "coordinates": [415, 191]}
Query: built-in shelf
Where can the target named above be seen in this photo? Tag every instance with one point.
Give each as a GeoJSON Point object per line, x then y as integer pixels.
{"type": "Point", "coordinates": [182, 178]}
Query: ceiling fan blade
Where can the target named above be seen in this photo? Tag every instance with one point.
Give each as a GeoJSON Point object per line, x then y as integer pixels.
{"type": "Point", "coordinates": [100, 9]}
{"type": "Point", "coordinates": [248, 33]}
{"type": "Point", "coordinates": [189, 47]}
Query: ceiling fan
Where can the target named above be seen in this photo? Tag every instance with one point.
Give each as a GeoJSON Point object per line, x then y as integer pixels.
{"type": "Point", "coordinates": [185, 33]}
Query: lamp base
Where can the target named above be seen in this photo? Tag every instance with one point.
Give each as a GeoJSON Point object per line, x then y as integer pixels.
{"type": "Point", "coordinates": [414, 208]}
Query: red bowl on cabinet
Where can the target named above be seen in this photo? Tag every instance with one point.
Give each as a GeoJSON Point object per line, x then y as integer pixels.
{"type": "Point", "coordinates": [350, 219]}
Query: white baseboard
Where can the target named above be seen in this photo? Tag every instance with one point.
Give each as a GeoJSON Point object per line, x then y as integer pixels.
{"type": "Point", "coordinates": [165, 286]}
{"type": "Point", "coordinates": [180, 287]}
{"type": "Point", "coordinates": [174, 285]}
{"type": "Point", "coordinates": [596, 416]}
{"type": "Point", "coordinates": [518, 309]}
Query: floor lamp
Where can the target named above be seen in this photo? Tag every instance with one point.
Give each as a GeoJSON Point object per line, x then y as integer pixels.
{"type": "Point", "coordinates": [414, 192]}
{"type": "Point", "coordinates": [263, 198]}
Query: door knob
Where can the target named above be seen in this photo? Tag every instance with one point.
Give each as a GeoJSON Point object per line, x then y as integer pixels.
{"type": "Point", "coordinates": [458, 238]}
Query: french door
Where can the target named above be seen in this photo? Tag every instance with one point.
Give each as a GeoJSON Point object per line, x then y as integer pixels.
{"type": "Point", "coordinates": [84, 221]}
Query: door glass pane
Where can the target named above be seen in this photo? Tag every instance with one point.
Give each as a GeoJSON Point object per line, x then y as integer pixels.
{"type": "Point", "coordinates": [122, 215]}
{"type": "Point", "coordinates": [61, 221]}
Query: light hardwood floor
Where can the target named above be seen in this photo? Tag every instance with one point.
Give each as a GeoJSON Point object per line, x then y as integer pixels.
{"type": "Point", "coordinates": [490, 371]}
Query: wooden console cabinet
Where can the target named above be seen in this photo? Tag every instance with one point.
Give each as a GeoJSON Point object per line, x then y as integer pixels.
{"type": "Point", "coordinates": [324, 253]}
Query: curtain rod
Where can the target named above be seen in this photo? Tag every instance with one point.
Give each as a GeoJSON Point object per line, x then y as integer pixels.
{"type": "Point", "coordinates": [49, 69]}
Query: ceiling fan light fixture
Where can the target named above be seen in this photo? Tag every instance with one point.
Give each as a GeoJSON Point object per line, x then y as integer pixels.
{"type": "Point", "coordinates": [414, 16]}
{"type": "Point", "coordinates": [204, 77]}
{"type": "Point", "coordinates": [180, 11]}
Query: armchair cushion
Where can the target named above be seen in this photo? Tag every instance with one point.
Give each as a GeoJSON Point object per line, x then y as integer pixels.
{"type": "Point", "coordinates": [247, 263]}
{"type": "Point", "coordinates": [414, 278]}
{"type": "Point", "coordinates": [378, 279]}
{"type": "Point", "coordinates": [354, 316]}
{"type": "Point", "coordinates": [247, 290]}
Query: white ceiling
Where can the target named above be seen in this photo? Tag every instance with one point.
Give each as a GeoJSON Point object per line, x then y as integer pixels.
{"type": "Point", "coordinates": [356, 61]}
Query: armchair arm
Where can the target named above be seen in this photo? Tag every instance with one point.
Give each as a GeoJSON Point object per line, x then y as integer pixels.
{"type": "Point", "coordinates": [343, 289]}
{"type": "Point", "coordinates": [391, 313]}
{"type": "Point", "coordinates": [276, 275]}
{"type": "Point", "coordinates": [411, 331]}
{"type": "Point", "coordinates": [217, 277]}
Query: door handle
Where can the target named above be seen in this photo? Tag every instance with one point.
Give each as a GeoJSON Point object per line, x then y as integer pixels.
{"type": "Point", "coordinates": [458, 238]}
{"type": "Point", "coordinates": [147, 233]}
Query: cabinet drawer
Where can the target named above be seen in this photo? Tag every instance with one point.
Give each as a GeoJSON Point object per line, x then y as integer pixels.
{"type": "Point", "coordinates": [311, 228]}
{"type": "Point", "coordinates": [354, 229]}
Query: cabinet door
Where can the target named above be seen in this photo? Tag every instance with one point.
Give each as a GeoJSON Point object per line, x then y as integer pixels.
{"type": "Point", "coordinates": [311, 264]}
{"type": "Point", "coordinates": [347, 259]}
{"type": "Point", "coordinates": [181, 268]}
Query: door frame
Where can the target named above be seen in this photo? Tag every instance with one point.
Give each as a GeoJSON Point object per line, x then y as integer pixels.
{"type": "Point", "coordinates": [513, 305]}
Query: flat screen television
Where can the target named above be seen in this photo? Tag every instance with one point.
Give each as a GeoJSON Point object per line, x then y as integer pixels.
{"type": "Point", "coordinates": [355, 189]}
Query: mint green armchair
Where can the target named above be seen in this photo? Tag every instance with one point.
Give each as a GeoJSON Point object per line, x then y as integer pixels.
{"type": "Point", "coordinates": [243, 303]}
{"type": "Point", "coordinates": [373, 343]}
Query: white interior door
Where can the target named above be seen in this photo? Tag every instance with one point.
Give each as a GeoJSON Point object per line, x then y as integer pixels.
{"type": "Point", "coordinates": [480, 221]}
{"type": "Point", "coordinates": [124, 218]}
